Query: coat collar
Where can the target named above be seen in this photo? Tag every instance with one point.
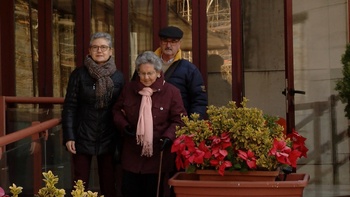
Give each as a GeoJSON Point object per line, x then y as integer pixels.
{"type": "Point", "coordinates": [158, 52]}
{"type": "Point", "coordinates": [157, 86]}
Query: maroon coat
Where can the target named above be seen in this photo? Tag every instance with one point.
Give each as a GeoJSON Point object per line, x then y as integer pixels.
{"type": "Point", "coordinates": [167, 108]}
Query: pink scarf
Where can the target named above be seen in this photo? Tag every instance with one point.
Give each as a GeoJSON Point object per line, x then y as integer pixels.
{"type": "Point", "coordinates": [144, 132]}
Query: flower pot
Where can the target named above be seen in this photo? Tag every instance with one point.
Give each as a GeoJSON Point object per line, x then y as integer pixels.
{"type": "Point", "coordinates": [186, 185]}
{"type": "Point", "coordinates": [212, 175]}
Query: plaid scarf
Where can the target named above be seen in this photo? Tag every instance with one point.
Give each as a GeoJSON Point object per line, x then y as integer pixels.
{"type": "Point", "coordinates": [104, 84]}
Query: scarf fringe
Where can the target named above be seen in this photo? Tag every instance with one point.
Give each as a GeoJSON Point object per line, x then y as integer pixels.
{"type": "Point", "coordinates": [147, 150]}
{"type": "Point", "coordinates": [144, 130]}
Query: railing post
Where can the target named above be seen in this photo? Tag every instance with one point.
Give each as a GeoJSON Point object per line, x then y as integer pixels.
{"type": "Point", "coordinates": [37, 159]}
{"type": "Point", "coordinates": [3, 166]}
{"type": "Point", "coordinates": [2, 121]}
{"type": "Point", "coordinates": [2, 116]}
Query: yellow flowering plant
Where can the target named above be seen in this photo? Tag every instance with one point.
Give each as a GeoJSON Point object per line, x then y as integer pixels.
{"type": "Point", "coordinates": [13, 189]}
{"type": "Point", "coordinates": [236, 138]}
{"type": "Point", "coordinates": [50, 190]}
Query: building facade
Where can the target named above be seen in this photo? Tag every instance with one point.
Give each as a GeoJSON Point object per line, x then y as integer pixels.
{"type": "Point", "coordinates": [265, 50]}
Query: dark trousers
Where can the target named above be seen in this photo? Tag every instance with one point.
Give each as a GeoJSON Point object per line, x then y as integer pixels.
{"type": "Point", "coordinates": [82, 167]}
{"type": "Point", "coordinates": [136, 185]}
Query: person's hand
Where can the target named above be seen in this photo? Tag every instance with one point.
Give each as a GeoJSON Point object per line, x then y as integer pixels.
{"type": "Point", "coordinates": [71, 146]}
{"type": "Point", "coordinates": [128, 131]}
{"type": "Point", "coordinates": [166, 143]}
{"type": "Point", "coordinates": [33, 147]}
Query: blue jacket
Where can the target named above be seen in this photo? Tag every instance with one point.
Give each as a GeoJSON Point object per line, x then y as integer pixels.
{"type": "Point", "coordinates": [188, 79]}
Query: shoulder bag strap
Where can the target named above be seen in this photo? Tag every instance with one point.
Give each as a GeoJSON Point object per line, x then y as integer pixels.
{"type": "Point", "coordinates": [170, 70]}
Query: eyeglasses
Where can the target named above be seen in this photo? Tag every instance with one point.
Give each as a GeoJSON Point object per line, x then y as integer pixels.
{"type": "Point", "coordinates": [171, 42]}
{"type": "Point", "coordinates": [148, 74]}
{"type": "Point", "coordinates": [103, 48]}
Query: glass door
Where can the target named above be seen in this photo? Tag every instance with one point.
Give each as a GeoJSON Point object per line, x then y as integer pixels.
{"type": "Point", "coordinates": [63, 44]}
{"type": "Point", "coordinates": [219, 56]}
{"type": "Point", "coordinates": [140, 29]}
{"type": "Point", "coordinates": [264, 56]}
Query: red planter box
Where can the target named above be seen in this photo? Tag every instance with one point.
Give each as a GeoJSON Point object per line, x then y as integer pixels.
{"type": "Point", "coordinates": [189, 185]}
{"type": "Point", "coordinates": [213, 175]}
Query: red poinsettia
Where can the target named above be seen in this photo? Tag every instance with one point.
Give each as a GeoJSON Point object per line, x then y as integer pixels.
{"type": "Point", "coordinates": [281, 151]}
{"type": "Point", "coordinates": [214, 154]}
{"type": "Point", "coordinates": [249, 157]}
{"type": "Point", "coordinates": [298, 143]}
{"type": "Point", "coordinates": [2, 192]}
{"type": "Point", "coordinates": [236, 138]}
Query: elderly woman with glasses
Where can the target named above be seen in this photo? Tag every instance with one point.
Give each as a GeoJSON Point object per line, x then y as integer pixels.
{"type": "Point", "coordinates": [147, 111]}
{"type": "Point", "coordinates": [87, 119]}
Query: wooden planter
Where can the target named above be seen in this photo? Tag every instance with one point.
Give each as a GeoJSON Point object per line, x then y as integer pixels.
{"type": "Point", "coordinates": [189, 185]}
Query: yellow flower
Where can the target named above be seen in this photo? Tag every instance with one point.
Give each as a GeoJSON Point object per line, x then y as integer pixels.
{"type": "Point", "coordinates": [15, 190]}
{"type": "Point", "coordinates": [49, 190]}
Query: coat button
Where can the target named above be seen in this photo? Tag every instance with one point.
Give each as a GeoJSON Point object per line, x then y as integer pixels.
{"type": "Point", "coordinates": [161, 108]}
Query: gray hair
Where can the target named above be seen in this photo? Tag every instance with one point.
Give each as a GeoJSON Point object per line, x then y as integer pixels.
{"type": "Point", "coordinates": [103, 35]}
{"type": "Point", "coordinates": [148, 57]}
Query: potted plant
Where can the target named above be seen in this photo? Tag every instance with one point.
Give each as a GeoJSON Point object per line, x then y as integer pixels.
{"type": "Point", "coordinates": [236, 138]}
{"type": "Point", "coordinates": [50, 189]}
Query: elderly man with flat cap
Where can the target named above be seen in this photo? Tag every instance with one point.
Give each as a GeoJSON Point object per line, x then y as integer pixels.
{"type": "Point", "coordinates": [182, 73]}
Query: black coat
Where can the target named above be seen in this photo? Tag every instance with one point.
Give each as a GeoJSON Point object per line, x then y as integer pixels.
{"type": "Point", "coordinates": [92, 129]}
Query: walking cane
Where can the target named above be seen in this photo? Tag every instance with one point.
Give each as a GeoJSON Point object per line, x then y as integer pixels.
{"type": "Point", "coordinates": [160, 172]}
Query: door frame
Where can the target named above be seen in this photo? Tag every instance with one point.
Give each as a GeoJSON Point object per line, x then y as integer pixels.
{"type": "Point", "coordinates": [289, 65]}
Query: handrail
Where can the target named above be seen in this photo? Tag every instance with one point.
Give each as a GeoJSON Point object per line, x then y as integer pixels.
{"type": "Point", "coordinates": [23, 133]}
{"type": "Point", "coordinates": [34, 100]}
{"type": "Point", "coordinates": [33, 131]}
{"type": "Point", "coordinates": [12, 137]}
{"type": "Point", "coordinates": [4, 100]}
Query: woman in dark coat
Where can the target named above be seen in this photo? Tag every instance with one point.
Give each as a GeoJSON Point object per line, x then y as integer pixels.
{"type": "Point", "coordinates": [148, 111]}
{"type": "Point", "coordinates": [87, 119]}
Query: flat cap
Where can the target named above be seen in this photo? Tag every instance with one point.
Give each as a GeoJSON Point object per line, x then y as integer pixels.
{"type": "Point", "coordinates": [171, 32]}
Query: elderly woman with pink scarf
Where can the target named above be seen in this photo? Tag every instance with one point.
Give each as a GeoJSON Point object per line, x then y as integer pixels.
{"type": "Point", "coordinates": [147, 111]}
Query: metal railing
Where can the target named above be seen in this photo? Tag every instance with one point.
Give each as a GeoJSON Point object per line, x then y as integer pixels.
{"type": "Point", "coordinates": [36, 131]}
{"type": "Point", "coordinates": [6, 100]}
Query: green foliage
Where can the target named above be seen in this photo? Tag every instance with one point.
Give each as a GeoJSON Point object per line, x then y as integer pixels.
{"type": "Point", "coordinates": [343, 84]}
{"type": "Point", "coordinates": [49, 190]}
{"type": "Point", "coordinates": [249, 129]}
{"type": "Point", "coordinates": [15, 190]}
